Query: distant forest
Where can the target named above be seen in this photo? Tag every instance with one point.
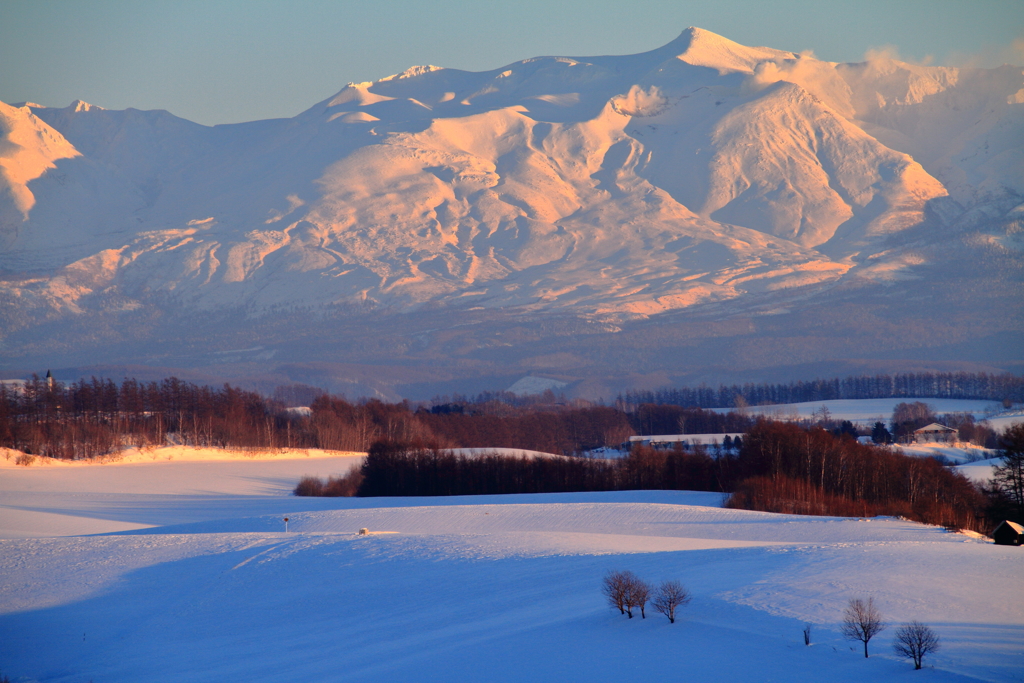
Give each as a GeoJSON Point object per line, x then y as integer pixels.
{"type": "Point", "coordinates": [96, 417]}
{"type": "Point", "coordinates": [778, 467]}
{"type": "Point", "coordinates": [964, 385]}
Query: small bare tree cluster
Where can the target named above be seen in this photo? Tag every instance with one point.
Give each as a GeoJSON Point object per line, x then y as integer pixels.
{"type": "Point", "coordinates": [669, 596]}
{"type": "Point", "coordinates": [862, 621]}
{"type": "Point", "coordinates": [915, 640]}
{"type": "Point", "coordinates": [626, 591]}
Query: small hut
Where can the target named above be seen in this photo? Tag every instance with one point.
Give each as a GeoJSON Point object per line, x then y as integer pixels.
{"type": "Point", "coordinates": [1008, 533]}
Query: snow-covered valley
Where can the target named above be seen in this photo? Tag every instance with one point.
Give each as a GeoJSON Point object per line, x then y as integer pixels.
{"type": "Point", "coordinates": [181, 569]}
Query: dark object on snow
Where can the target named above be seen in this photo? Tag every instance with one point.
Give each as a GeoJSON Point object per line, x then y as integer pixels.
{"type": "Point", "coordinates": [935, 433]}
{"type": "Point", "coordinates": [862, 621]}
{"type": "Point", "coordinates": [914, 641]}
{"type": "Point", "coordinates": [1008, 533]}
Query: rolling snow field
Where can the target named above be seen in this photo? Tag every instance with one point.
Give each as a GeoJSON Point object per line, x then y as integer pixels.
{"type": "Point", "coordinates": [174, 565]}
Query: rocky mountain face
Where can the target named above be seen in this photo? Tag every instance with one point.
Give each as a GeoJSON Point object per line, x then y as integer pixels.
{"type": "Point", "coordinates": [576, 210]}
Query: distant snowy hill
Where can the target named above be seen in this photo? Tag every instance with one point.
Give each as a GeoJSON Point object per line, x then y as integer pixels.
{"type": "Point", "coordinates": [608, 189]}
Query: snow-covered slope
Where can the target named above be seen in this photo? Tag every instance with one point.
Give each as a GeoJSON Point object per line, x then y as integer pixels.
{"type": "Point", "coordinates": [701, 175]}
{"type": "Point", "coordinates": [701, 171]}
{"type": "Point", "coordinates": [200, 582]}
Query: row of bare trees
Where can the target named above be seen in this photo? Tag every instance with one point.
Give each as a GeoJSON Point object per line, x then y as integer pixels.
{"type": "Point", "coordinates": [784, 468]}
{"type": "Point", "coordinates": [862, 621]}
{"type": "Point", "coordinates": [779, 468]}
{"type": "Point", "coordinates": [96, 417]}
{"type": "Point", "coordinates": [969, 385]}
{"type": "Point", "coordinates": [626, 591]}
{"type": "Point", "coordinates": [402, 469]}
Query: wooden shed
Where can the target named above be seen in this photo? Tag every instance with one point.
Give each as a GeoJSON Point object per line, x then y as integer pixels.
{"type": "Point", "coordinates": [1008, 533]}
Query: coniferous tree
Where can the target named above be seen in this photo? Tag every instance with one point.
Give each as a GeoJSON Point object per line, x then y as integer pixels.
{"type": "Point", "coordinates": [1009, 476]}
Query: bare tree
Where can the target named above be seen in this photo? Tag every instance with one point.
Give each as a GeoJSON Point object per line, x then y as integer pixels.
{"type": "Point", "coordinates": [915, 640]}
{"type": "Point", "coordinates": [638, 592]}
{"type": "Point", "coordinates": [669, 596]}
{"type": "Point", "coordinates": [862, 621]}
{"type": "Point", "coordinates": [615, 588]}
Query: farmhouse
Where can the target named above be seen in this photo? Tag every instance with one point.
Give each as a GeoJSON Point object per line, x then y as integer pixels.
{"type": "Point", "coordinates": [1008, 533]}
{"type": "Point", "coordinates": [935, 433]}
{"type": "Point", "coordinates": [683, 441]}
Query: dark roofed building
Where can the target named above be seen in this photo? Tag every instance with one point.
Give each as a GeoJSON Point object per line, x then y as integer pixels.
{"type": "Point", "coordinates": [936, 433]}
{"type": "Point", "coordinates": [1008, 533]}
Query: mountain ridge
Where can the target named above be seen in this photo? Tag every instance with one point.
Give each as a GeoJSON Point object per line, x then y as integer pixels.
{"type": "Point", "coordinates": [613, 188]}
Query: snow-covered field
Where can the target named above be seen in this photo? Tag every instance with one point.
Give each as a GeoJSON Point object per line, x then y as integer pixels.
{"type": "Point", "coordinates": [867, 411]}
{"type": "Point", "coordinates": [960, 453]}
{"type": "Point", "coordinates": [980, 471]}
{"type": "Point", "coordinates": [189, 576]}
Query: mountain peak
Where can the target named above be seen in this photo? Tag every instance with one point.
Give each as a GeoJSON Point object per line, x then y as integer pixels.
{"type": "Point", "coordinates": [412, 72]}
{"type": "Point", "coordinates": [81, 105]}
{"type": "Point", "coordinates": [701, 47]}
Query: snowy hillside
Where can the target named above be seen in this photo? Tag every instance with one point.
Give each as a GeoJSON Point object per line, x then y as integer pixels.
{"type": "Point", "coordinates": [192, 577]}
{"type": "Point", "coordinates": [611, 188]}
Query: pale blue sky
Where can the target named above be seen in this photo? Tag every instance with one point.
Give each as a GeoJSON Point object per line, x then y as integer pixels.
{"type": "Point", "coordinates": [220, 61]}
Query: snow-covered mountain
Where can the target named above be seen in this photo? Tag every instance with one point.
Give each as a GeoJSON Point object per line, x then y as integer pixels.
{"type": "Point", "coordinates": [610, 188]}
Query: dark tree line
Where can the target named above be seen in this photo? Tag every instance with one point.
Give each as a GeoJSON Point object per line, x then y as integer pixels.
{"type": "Point", "coordinates": [567, 429]}
{"type": "Point", "coordinates": [785, 468]}
{"type": "Point", "coordinates": [1007, 488]}
{"type": "Point", "coordinates": [400, 470]}
{"type": "Point", "coordinates": [963, 385]}
{"type": "Point", "coordinates": [395, 469]}
{"type": "Point", "coordinates": [652, 418]}
{"type": "Point", "coordinates": [97, 417]}
{"type": "Point", "coordinates": [779, 468]}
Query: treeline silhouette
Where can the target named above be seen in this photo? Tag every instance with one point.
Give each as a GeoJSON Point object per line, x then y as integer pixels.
{"type": "Point", "coordinates": [785, 468]}
{"type": "Point", "coordinates": [396, 469]}
{"type": "Point", "coordinates": [338, 424]}
{"type": "Point", "coordinates": [97, 417]}
{"type": "Point", "coordinates": [92, 418]}
{"type": "Point", "coordinates": [963, 385]}
{"type": "Point", "coordinates": [779, 468]}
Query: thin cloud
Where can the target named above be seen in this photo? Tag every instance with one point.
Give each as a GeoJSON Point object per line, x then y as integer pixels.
{"type": "Point", "coordinates": [991, 56]}
{"type": "Point", "coordinates": [891, 52]}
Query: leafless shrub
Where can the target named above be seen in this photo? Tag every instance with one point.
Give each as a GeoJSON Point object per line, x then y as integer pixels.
{"type": "Point", "coordinates": [347, 485]}
{"type": "Point", "coordinates": [915, 640]}
{"type": "Point", "coordinates": [616, 589]}
{"type": "Point", "coordinates": [668, 596]}
{"type": "Point", "coordinates": [25, 459]}
{"type": "Point", "coordinates": [638, 592]}
{"type": "Point", "coordinates": [862, 621]}
{"type": "Point", "coordinates": [309, 486]}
